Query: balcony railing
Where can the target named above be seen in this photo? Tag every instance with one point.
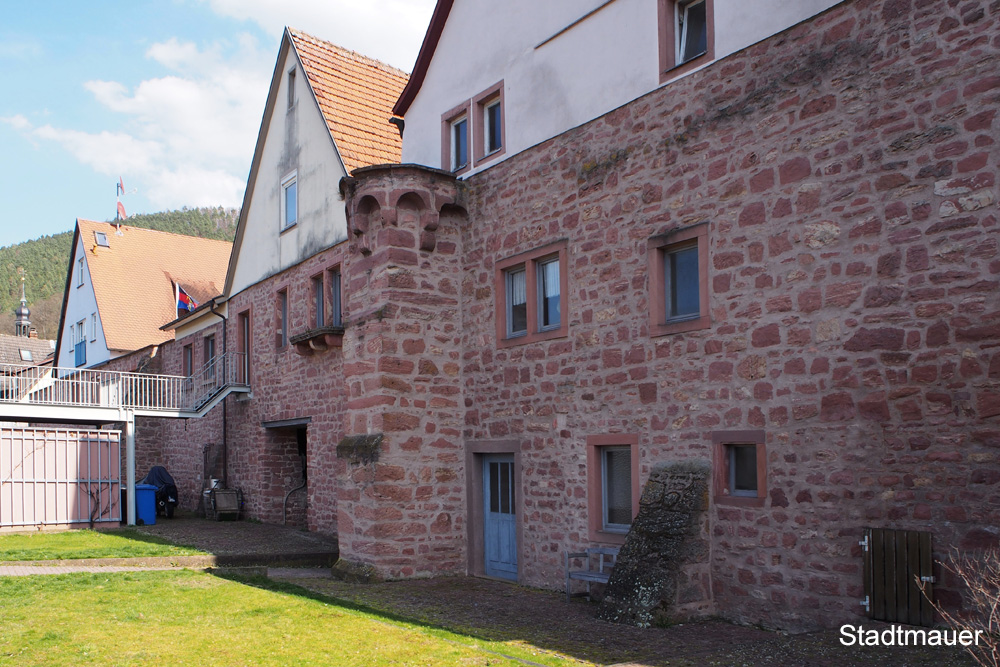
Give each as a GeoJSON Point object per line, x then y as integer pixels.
{"type": "Point", "coordinates": [39, 385]}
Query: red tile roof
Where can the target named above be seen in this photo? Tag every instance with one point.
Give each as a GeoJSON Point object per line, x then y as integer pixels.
{"type": "Point", "coordinates": [134, 279]}
{"type": "Point", "coordinates": [356, 95]}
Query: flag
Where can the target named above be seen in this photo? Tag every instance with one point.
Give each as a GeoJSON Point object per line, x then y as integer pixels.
{"type": "Point", "coordinates": [184, 301]}
{"type": "Point", "coordinates": [121, 186]}
{"type": "Point", "coordinates": [121, 211]}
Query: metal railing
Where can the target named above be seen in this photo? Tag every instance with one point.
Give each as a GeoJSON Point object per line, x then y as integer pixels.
{"type": "Point", "coordinates": [75, 387]}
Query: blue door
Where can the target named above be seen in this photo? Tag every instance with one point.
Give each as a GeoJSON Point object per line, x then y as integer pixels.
{"type": "Point", "coordinates": [499, 518]}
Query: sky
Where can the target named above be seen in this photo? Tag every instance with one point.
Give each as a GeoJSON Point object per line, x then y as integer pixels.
{"type": "Point", "coordinates": [167, 95]}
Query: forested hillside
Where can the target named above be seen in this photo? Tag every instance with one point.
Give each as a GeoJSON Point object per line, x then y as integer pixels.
{"type": "Point", "coordinates": [46, 261]}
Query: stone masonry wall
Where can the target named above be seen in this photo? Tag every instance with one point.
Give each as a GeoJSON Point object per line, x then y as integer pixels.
{"type": "Point", "coordinates": [847, 171]}
{"type": "Point", "coordinates": [404, 513]}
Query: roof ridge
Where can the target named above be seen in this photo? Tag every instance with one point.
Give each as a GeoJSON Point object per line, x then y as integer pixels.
{"type": "Point", "coordinates": [344, 50]}
{"type": "Point", "coordinates": [155, 231]}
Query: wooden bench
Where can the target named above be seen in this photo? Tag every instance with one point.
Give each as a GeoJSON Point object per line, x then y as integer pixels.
{"type": "Point", "coordinates": [603, 557]}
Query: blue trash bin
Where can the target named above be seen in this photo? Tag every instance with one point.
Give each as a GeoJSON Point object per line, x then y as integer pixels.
{"type": "Point", "coordinates": [145, 504]}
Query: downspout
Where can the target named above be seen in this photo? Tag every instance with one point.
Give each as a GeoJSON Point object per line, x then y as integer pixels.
{"type": "Point", "coordinates": [225, 377]}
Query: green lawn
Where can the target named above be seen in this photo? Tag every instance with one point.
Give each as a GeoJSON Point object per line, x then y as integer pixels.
{"type": "Point", "coordinates": [73, 544]}
{"type": "Point", "coordinates": [193, 618]}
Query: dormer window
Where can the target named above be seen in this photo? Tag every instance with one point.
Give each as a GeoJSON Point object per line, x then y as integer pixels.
{"type": "Point", "coordinates": [101, 239]}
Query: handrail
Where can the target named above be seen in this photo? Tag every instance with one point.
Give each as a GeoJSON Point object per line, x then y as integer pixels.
{"type": "Point", "coordinates": [82, 387]}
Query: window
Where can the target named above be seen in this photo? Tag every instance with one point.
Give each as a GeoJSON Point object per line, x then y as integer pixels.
{"type": "Point", "coordinates": [460, 144]}
{"type": "Point", "coordinates": [281, 335]}
{"type": "Point", "coordinates": [208, 350]}
{"type": "Point", "coordinates": [289, 201]}
{"type": "Point", "coordinates": [79, 267]}
{"type": "Point", "coordinates": [188, 361]}
{"type": "Point", "coordinates": [80, 337]}
{"type": "Point", "coordinates": [489, 129]}
{"type": "Point", "coordinates": [208, 359]}
{"type": "Point", "coordinates": [739, 465]}
{"type": "Point", "coordinates": [291, 88]}
{"type": "Point", "coordinates": [455, 138]}
{"type": "Point", "coordinates": [549, 288]}
{"type": "Point", "coordinates": [101, 239]}
{"type": "Point", "coordinates": [616, 488]}
{"type": "Point", "coordinates": [613, 485]}
{"type": "Point", "coordinates": [517, 302]}
{"type": "Point", "coordinates": [678, 281]}
{"type": "Point", "coordinates": [336, 309]}
{"type": "Point", "coordinates": [531, 303]}
{"type": "Point", "coordinates": [243, 346]}
{"type": "Point", "coordinates": [93, 326]}
{"type": "Point", "coordinates": [687, 38]}
{"type": "Point", "coordinates": [319, 296]}
{"type": "Point", "coordinates": [26, 355]}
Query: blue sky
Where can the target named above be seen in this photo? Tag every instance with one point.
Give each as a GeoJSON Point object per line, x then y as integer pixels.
{"type": "Point", "coordinates": [166, 94]}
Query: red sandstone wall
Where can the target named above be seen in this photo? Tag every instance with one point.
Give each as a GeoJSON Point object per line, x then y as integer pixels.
{"type": "Point", "coordinates": [847, 169]}
{"type": "Point", "coordinates": [264, 463]}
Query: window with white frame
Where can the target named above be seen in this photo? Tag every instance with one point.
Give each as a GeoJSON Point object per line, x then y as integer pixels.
{"type": "Point", "coordinates": [692, 30]}
{"type": "Point", "coordinates": [289, 201]}
{"type": "Point", "coordinates": [459, 143]}
{"type": "Point", "coordinates": [616, 488]}
{"type": "Point", "coordinates": [517, 301]}
{"type": "Point", "coordinates": [93, 326]}
{"type": "Point", "coordinates": [549, 287]}
{"type": "Point", "coordinates": [79, 270]}
{"type": "Point", "coordinates": [101, 239]}
{"type": "Point", "coordinates": [686, 35]}
{"type": "Point", "coordinates": [532, 296]}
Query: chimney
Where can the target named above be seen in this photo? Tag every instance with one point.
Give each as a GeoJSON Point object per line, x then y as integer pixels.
{"type": "Point", "coordinates": [32, 332]}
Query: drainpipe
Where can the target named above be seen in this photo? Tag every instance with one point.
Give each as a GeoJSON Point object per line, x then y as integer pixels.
{"type": "Point", "coordinates": [225, 378]}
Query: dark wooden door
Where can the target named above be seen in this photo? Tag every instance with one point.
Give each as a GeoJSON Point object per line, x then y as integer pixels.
{"type": "Point", "coordinates": [896, 563]}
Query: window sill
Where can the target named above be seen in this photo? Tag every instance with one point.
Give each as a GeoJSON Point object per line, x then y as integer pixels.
{"type": "Point", "coordinates": [489, 157]}
{"type": "Point", "coordinates": [607, 537]}
{"type": "Point", "coordinates": [288, 228]}
{"type": "Point", "coordinates": [694, 324]}
{"type": "Point", "coordinates": [537, 337]}
{"type": "Point", "coordinates": [319, 339]}
{"type": "Point", "coordinates": [740, 501]}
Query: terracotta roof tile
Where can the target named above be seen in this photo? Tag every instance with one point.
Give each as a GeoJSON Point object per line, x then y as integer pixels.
{"type": "Point", "coordinates": [134, 279]}
{"type": "Point", "coordinates": [356, 95]}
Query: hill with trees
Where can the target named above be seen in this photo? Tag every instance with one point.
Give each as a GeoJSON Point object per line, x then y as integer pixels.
{"type": "Point", "coordinates": [46, 260]}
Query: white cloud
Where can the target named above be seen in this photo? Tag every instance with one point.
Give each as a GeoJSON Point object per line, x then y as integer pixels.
{"type": "Point", "coordinates": [388, 30]}
{"type": "Point", "coordinates": [185, 139]}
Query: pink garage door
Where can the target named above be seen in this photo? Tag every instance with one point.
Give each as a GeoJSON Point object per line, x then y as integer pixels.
{"type": "Point", "coordinates": [59, 477]}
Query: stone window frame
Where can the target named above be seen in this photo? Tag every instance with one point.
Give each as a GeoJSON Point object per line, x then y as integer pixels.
{"type": "Point", "coordinates": [244, 341]}
{"type": "Point", "coordinates": [667, 26]}
{"type": "Point", "coordinates": [531, 260]}
{"type": "Point", "coordinates": [722, 442]}
{"type": "Point", "coordinates": [657, 248]}
{"type": "Point", "coordinates": [481, 103]}
{"type": "Point", "coordinates": [595, 484]}
{"type": "Point", "coordinates": [474, 451]}
{"type": "Point", "coordinates": [448, 120]}
{"type": "Point", "coordinates": [281, 317]}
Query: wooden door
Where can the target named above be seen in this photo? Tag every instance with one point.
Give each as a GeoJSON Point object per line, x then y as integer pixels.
{"type": "Point", "coordinates": [499, 516]}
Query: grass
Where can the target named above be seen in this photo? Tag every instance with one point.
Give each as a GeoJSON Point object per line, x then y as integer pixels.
{"type": "Point", "coordinates": [193, 618]}
{"type": "Point", "coordinates": [74, 544]}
